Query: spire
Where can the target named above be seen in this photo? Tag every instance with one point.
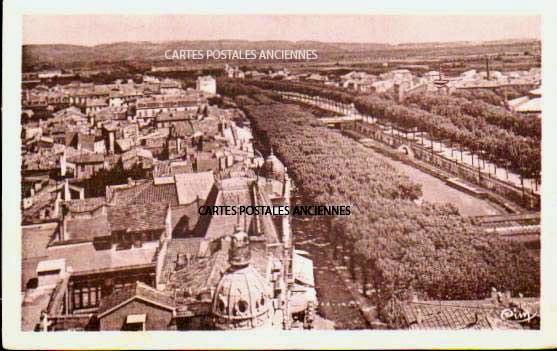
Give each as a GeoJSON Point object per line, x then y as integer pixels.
{"type": "Point", "coordinates": [239, 255]}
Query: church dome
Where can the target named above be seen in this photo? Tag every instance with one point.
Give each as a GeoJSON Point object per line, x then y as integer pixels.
{"type": "Point", "coordinates": [242, 298]}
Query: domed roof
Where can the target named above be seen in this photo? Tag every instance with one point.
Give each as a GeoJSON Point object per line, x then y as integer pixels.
{"type": "Point", "coordinates": [242, 300]}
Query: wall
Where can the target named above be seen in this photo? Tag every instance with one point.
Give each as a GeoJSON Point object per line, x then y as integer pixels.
{"type": "Point", "coordinates": [468, 173]}
{"type": "Point", "coordinates": [157, 318]}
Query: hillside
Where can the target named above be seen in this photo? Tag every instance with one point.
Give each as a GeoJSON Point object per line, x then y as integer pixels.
{"type": "Point", "coordinates": [68, 55]}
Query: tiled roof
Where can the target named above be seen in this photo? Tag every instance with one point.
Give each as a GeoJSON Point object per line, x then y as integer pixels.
{"type": "Point", "coordinates": [174, 116]}
{"type": "Point", "coordinates": [41, 162]}
{"type": "Point", "coordinates": [141, 291]}
{"type": "Point", "coordinates": [164, 193]}
{"type": "Point", "coordinates": [475, 314]}
{"type": "Point", "coordinates": [124, 194]}
{"type": "Point", "coordinates": [189, 247]}
{"type": "Point", "coordinates": [222, 225]}
{"type": "Point", "coordinates": [87, 158]}
{"type": "Point", "coordinates": [124, 144]}
{"type": "Point", "coordinates": [200, 275]}
{"type": "Point", "coordinates": [180, 167]}
{"type": "Point", "coordinates": [44, 200]}
{"type": "Point", "coordinates": [205, 273]}
{"type": "Point", "coordinates": [184, 128]}
{"type": "Point", "coordinates": [86, 228]}
{"type": "Point", "coordinates": [138, 217]}
{"type": "Point", "coordinates": [84, 205]}
{"type": "Point", "coordinates": [146, 192]}
{"type": "Point", "coordinates": [70, 111]}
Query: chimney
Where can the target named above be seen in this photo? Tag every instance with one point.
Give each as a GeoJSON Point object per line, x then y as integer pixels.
{"type": "Point", "coordinates": [111, 142]}
{"type": "Point", "coordinates": [487, 66]}
{"type": "Point", "coordinates": [67, 194]}
{"type": "Point", "coordinates": [63, 226]}
{"type": "Point", "coordinates": [57, 205]}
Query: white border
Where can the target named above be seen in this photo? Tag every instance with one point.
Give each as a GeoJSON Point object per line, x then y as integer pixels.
{"type": "Point", "coordinates": [12, 337]}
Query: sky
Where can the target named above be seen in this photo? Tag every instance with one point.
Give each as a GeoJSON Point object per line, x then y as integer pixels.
{"type": "Point", "coordinates": [393, 29]}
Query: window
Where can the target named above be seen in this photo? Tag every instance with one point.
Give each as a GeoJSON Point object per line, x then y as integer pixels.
{"type": "Point", "coordinates": [135, 322]}
{"type": "Point", "coordinates": [242, 306]}
{"type": "Point", "coordinates": [77, 299]}
{"type": "Point", "coordinates": [86, 296]}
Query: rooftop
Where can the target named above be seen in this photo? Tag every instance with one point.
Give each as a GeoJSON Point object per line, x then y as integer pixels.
{"type": "Point", "coordinates": [146, 192]}
{"type": "Point", "coordinates": [140, 291]}
{"type": "Point", "coordinates": [86, 158]}
{"type": "Point", "coordinates": [174, 116]}
{"type": "Point", "coordinates": [84, 205]}
{"type": "Point", "coordinates": [474, 314]}
{"type": "Point", "coordinates": [192, 185]}
{"type": "Point", "coordinates": [86, 228]}
{"type": "Point", "coordinates": [82, 257]}
{"type": "Point", "coordinates": [138, 217]}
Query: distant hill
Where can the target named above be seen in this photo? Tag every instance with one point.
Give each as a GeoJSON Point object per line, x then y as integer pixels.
{"type": "Point", "coordinates": [65, 55]}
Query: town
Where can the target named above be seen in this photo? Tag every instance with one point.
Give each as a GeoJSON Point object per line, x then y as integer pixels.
{"type": "Point", "coordinates": [125, 186]}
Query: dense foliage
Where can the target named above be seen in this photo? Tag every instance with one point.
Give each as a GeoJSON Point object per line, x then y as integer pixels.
{"type": "Point", "coordinates": [502, 147]}
{"type": "Point", "coordinates": [398, 244]}
{"type": "Point", "coordinates": [485, 130]}
{"type": "Point", "coordinates": [496, 96]}
{"type": "Point", "coordinates": [481, 113]}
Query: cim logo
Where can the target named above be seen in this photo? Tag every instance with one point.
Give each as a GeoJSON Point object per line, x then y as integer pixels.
{"type": "Point", "coordinates": [517, 314]}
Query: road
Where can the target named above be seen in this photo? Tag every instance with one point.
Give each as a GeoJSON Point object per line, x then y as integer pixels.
{"type": "Point", "coordinates": [335, 301]}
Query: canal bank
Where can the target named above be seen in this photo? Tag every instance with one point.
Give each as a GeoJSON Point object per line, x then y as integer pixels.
{"type": "Point", "coordinates": [436, 184]}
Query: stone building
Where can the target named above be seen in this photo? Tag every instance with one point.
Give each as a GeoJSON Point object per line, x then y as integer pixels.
{"type": "Point", "coordinates": [206, 84]}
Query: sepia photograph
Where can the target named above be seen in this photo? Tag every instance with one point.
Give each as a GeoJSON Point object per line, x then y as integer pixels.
{"type": "Point", "coordinates": [310, 172]}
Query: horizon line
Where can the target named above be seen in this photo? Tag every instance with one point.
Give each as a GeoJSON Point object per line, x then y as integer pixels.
{"type": "Point", "coordinates": [283, 40]}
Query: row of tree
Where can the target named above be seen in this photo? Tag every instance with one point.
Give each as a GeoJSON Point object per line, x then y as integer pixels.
{"type": "Point", "coordinates": [498, 96]}
{"type": "Point", "coordinates": [498, 145]}
{"type": "Point", "coordinates": [397, 244]}
{"type": "Point", "coordinates": [485, 131]}
{"type": "Point", "coordinates": [477, 112]}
